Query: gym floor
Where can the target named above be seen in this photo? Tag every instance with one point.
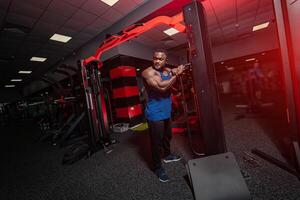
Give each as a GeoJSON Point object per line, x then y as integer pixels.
{"type": "Point", "coordinates": [32, 170]}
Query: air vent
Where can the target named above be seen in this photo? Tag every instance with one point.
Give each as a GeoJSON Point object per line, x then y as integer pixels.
{"type": "Point", "coordinates": [15, 28]}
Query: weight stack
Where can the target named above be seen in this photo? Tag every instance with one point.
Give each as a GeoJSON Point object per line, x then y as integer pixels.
{"type": "Point", "coordinates": [217, 177]}
{"type": "Point", "coordinates": [126, 95]}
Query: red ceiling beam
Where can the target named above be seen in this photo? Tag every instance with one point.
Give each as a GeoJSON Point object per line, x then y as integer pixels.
{"type": "Point", "coordinates": [134, 31]}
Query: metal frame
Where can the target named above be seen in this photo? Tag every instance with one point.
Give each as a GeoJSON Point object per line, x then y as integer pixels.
{"type": "Point", "coordinates": [204, 76]}
{"type": "Point", "coordinates": [291, 88]}
{"type": "Point", "coordinates": [95, 105]}
{"type": "Point", "coordinates": [132, 32]}
{"type": "Point", "coordinates": [290, 81]}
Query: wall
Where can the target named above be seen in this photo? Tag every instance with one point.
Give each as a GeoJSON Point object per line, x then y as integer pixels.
{"type": "Point", "coordinates": [260, 41]}
{"type": "Point", "coordinates": [144, 52]}
{"type": "Point", "coordinates": [266, 67]}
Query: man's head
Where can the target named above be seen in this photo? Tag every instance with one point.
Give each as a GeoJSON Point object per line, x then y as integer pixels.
{"type": "Point", "coordinates": [159, 59]}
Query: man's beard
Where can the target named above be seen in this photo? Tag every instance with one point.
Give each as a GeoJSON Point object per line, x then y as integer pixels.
{"type": "Point", "coordinates": [158, 67]}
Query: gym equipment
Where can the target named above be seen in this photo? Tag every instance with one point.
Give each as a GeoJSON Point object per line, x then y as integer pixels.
{"type": "Point", "coordinates": [217, 177]}
{"type": "Point", "coordinates": [55, 132]}
{"type": "Point", "coordinates": [276, 162]}
{"type": "Point", "coordinates": [65, 134]}
{"type": "Point", "coordinates": [291, 76]}
{"type": "Point", "coordinates": [125, 94]}
{"type": "Point", "coordinates": [208, 105]}
{"type": "Point", "coordinates": [186, 119]}
{"type": "Point", "coordinates": [75, 152]}
{"type": "Point", "coordinates": [96, 108]}
{"type": "Point", "coordinates": [90, 71]}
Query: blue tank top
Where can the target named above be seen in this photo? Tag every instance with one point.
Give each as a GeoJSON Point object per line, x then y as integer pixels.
{"type": "Point", "coordinates": [159, 103]}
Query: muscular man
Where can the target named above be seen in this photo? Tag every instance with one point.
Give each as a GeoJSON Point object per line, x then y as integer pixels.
{"type": "Point", "coordinates": [158, 80]}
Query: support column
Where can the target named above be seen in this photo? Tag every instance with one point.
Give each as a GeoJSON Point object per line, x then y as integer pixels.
{"type": "Point", "coordinates": [204, 76]}
{"type": "Point", "coordinates": [289, 74]}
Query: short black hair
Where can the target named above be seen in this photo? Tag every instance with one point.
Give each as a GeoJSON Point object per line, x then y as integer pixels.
{"type": "Point", "coordinates": [161, 50]}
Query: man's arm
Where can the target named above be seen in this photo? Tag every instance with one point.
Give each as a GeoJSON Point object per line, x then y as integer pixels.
{"type": "Point", "coordinates": [154, 81]}
{"type": "Point", "coordinates": [178, 70]}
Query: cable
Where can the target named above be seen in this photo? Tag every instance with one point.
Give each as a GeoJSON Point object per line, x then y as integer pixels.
{"type": "Point", "coordinates": [185, 113]}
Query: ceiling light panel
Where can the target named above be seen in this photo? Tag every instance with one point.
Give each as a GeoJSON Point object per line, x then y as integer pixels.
{"type": "Point", "coordinates": [16, 80]}
{"type": "Point", "coordinates": [38, 59]}
{"type": "Point", "coordinates": [25, 72]}
{"type": "Point", "coordinates": [260, 26]}
{"type": "Point", "coordinates": [110, 2]}
{"type": "Point", "coordinates": [250, 59]}
{"type": "Point", "coordinates": [171, 31]}
{"type": "Point", "coordinates": [60, 38]}
{"type": "Point", "coordinates": [9, 86]}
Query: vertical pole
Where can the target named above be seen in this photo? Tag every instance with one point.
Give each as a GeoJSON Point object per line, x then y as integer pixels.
{"type": "Point", "coordinates": [288, 66]}
{"type": "Point", "coordinates": [204, 79]}
{"type": "Point", "coordinates": [89, 107]}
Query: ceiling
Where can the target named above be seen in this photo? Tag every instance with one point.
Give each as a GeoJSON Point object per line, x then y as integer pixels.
{"type": "Point", "coordinates": [27, 25]}
{"type": "Point", "coordinates": [227, 20]}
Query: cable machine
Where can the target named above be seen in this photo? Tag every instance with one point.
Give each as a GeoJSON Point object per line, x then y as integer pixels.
{"type": "Point", "coordinates": [91, 77]}
{"type": "Point", "coordinates": [90, 69]}
{"type": "Point", "coordinates": [96, 108]}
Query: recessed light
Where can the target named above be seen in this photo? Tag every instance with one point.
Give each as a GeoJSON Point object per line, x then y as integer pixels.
{"type": "Point", "coordinates": [171, 31]}
{"type": "Point", "coordinates": [24, 72]}
{"type": "Point", "coordinates": [9, 86]}
{"type": "Point", "coordinates": [110, 2]}
{"type": "Point", "coordinates": [38, 59]}
{"type": "Point", "coordinates": [222, 63]}
{"type": "Point", "coordinates": [260, 26]}
{"type": "Point", "coordinates": [16, 80]}
{"type": "Point", "coordinates": [60, 38]}
{"type": "Point", "coordinates": [230, 68]}
{"type": "Point", "coordinates": [263, 53]}
{"type": "Point", "coordinates": [250, 59]}
{"type": "Point", "coordinates": [138, 69]}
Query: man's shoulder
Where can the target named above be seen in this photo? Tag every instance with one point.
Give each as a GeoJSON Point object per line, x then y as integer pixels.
{"type": "Point", "coordinates": [148, 72]}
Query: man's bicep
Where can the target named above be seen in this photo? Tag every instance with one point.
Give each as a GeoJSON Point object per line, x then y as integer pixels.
{"type": "Point", "coordinates": [155, 83]}
{"type": "Point", "coordinates": [152, 82]}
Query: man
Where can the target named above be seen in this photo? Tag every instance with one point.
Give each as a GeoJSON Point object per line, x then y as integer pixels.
{"type": "Point", "coordinates": [158, 81]}
{"type": "Point", "coordinates": [254, 83]}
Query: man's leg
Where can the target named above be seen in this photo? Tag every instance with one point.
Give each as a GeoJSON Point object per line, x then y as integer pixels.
{"type": "Point", "coordinates": [156, 129]}
{"type": "Point", "coordinates": [167, 136]}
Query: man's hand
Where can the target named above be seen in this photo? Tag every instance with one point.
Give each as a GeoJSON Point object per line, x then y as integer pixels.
{"type": "Point", "coordinates": [180, 69]}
